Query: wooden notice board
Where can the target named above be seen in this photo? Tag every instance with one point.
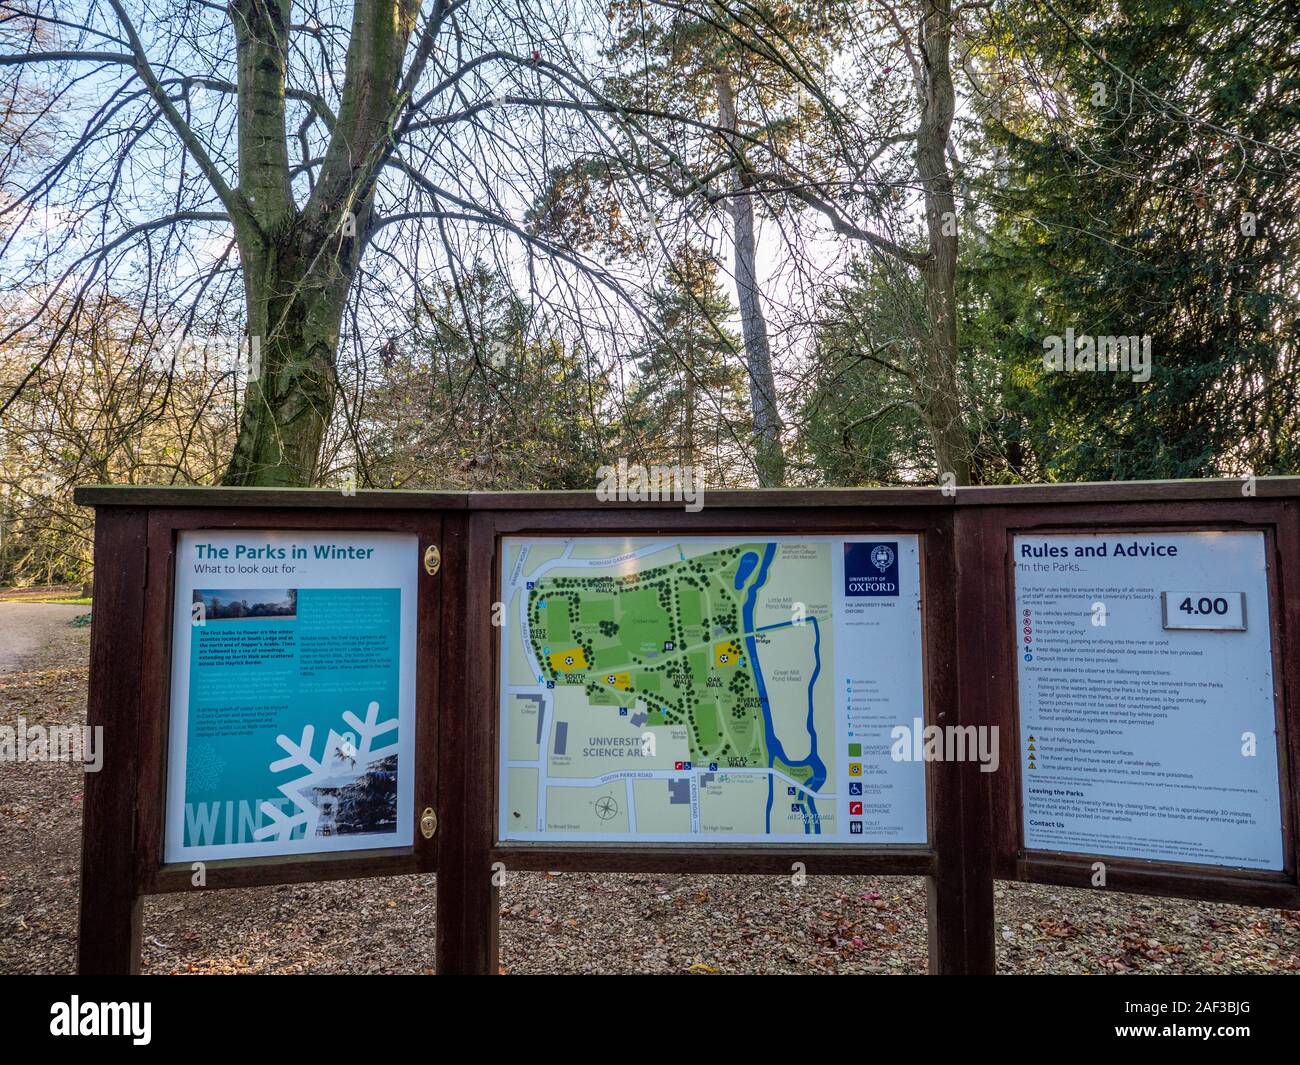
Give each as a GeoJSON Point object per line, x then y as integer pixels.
{"type": "Point", "coordinates": [1029, 615]}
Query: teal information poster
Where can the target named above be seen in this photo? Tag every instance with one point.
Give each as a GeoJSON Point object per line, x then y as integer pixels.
{"type": "Point", "coordinates": [292, 694]}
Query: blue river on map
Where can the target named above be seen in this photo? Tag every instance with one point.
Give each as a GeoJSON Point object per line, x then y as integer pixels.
{"type": "Point", "coordinates": [745, 567]}
{"type": "Point", "coordinates": [812, 822]}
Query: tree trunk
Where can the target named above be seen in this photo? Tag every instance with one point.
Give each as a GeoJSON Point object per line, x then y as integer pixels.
{"type": "Point", "coordinates": [294, 318]}
{"type": "Point", "coordinates": [688, 454]}
{"type": "Point", "coordinates": [938, 379]}
{"type": "Point", "coordinates": [299, 263]}
{"type": "Point", "coordinates": [769, 456]}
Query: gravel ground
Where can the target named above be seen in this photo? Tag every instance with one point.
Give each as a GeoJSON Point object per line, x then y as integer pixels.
{"type": "Point", "coordinates": [571, 923]}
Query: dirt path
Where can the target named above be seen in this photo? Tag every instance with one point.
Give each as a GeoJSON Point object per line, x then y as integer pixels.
{"type": "Point", "coordinates": [27, 628]}
{"type": "Point", "coordinates": [43, 666]}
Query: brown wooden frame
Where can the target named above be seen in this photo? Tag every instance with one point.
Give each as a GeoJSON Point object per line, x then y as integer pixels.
{"type": "Point", "coordinates": [122, 844]}
{"type": "Point", "coordinates": [958, 943]}
{"type": "Point", "coordinates": [1277, 521]}
{"type": "Point", "coordinates": [970, 676]}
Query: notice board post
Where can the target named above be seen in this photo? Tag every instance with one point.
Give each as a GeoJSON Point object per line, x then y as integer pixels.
{"type": "Point", "coordinates": [467, 911]}
{"type": "Point", "coordinates": [111, 905]}
{"type": "Point", "coordinates": [961, 925]}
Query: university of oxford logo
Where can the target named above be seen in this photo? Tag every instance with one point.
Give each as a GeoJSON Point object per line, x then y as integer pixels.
{"type": "Point", "coordinates": [871, 568]}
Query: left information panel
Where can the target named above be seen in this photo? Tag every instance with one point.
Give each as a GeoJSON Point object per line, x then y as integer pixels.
{"type": "Point", "coordinates": [292, 694]}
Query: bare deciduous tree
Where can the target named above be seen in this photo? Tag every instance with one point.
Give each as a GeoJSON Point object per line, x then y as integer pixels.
{"type": "Point", "coordinates": [301, 152]}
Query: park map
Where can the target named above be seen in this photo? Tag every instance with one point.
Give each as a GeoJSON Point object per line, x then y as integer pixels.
{"type": "Point", "coordinates": [667, 689]}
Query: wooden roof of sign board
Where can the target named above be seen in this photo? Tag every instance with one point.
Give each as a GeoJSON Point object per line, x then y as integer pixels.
{"type": "Point", "coordinates": [920, 496]}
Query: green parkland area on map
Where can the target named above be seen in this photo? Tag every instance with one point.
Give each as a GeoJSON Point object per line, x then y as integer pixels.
{"type": "Point", "coordinates": [672, 690]}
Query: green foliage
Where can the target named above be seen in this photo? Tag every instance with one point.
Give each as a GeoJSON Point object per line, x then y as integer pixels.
{"type": "Point", "coordinates": [1123, 198]}
{"type": "Point", "coordinates": [485, 395]}
{"type": "Point", "coordinates": [859, 424]}
{"type": "Point", "coordinates": [688, 404]}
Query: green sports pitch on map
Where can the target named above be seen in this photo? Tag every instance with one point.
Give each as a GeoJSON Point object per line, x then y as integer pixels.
{"type": "Point", "coordinates": [710, 690]}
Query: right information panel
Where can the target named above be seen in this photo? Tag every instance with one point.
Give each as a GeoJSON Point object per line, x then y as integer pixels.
{"type": "Point", "coordinates": [1147, 714]}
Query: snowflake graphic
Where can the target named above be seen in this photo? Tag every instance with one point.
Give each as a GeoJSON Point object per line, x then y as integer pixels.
{"type": "Point", "coordinates": [205, 767]}
{"type": "Point", "coordinates": [344, 753]}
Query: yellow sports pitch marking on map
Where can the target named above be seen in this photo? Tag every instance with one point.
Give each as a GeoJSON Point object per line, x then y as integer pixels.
{"type": "Point", "coordinates": [726, 653]}
{"type": "Point", "coordinates": [570, 661]}
{"type": "Point", "coordinates": [621, 681]}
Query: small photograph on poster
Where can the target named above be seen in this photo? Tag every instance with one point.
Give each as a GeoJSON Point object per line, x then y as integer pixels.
{"type": "Point", "coordinates": [227, 605]}
{"type": "Point", "coordinates": [292, 694]}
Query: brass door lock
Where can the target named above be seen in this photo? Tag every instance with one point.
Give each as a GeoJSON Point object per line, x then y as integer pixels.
{"type": "Point", "coordinates": [432, 559]}
{"type": "Point", "coordinates": [428, 823]}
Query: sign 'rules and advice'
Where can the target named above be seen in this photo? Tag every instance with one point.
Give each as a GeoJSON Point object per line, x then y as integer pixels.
{"type": "Point", "coordinates": [1145, 734]}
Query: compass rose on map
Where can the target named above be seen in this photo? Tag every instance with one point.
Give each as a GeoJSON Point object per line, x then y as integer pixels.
{"type": "Point", "coordinates": [606, 808]}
